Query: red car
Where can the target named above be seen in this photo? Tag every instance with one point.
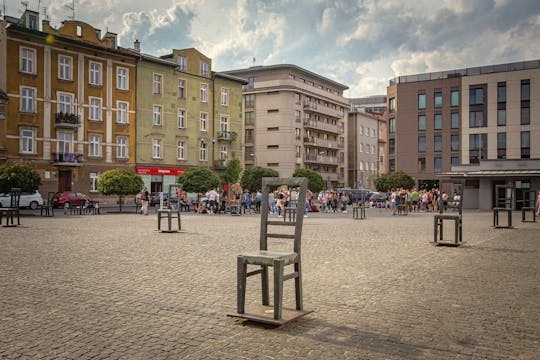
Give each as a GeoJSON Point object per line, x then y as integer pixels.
{"type": "Point", "coordinates": [69, 198]}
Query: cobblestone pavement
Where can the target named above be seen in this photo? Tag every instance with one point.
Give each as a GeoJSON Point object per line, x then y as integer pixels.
{"type": "Point", "coordinates": [110, 286]}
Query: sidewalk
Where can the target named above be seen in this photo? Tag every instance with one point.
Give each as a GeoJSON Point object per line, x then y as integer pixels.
{"type": "Point", "coordinates": [111, 286]}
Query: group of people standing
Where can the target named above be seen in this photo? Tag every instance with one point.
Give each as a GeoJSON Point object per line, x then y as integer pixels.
{"type": "Point", "coordinates": [421, 200]}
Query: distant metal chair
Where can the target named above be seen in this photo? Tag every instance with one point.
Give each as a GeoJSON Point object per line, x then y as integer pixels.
{"type": "Point", "coordinates": [438, 220]}
{"type": "Point", "coordinates": [359, 211]}
{"type": "Point", "coordinates": [504, 204]}
{"type": "Point", "coordinates": [529, 205]}
{"type": "Point", "coordinates": [170, 211]}
{"type": "Point", "coordinates": [47, 208]}
{"type": "Point", "coordinates": [265, 258]}
{"type": "Point", "coordinates": [12, 210]}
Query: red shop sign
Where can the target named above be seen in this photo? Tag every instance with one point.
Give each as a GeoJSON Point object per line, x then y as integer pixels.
{"type": "Point", "coordinates": [142, 170]}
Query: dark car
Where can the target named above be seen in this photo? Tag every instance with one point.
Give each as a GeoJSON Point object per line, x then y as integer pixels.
{"type": "Point", "coordinates": [68, 199]}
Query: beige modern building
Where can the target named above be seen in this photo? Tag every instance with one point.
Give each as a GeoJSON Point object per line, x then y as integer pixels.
{"type": "Point", "coordinates": [295, 119]}
{"type": "Point", "coordinates": [481, 125]}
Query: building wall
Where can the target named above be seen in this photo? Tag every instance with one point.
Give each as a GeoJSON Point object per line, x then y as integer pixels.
{"type": "Point", "coordinates": [362, 150]}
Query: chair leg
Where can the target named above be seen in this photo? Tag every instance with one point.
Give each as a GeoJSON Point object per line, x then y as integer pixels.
{"type": "Point", "coordinates": [278, 288]}
{"type": "Point", "coordinates": [158, 220]}
{"type": "Point", "coordinates": [264, 286]}
{"type": "Point", "coordinates": [241, 285]}
{"type": "Point", "coordinates": [298, 286]}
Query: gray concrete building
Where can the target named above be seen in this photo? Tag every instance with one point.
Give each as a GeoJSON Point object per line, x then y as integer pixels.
{"type": "Point", "coordinates": [363, 149]}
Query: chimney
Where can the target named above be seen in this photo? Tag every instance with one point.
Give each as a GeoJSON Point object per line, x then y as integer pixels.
{"type": "Point", "coordinates": [137, 45]}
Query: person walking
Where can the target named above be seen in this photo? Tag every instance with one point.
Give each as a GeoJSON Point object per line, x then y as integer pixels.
{"type": "Point", "coordinates": [538, 205]}
{"type": "Point", "coordinates": [145, 198]}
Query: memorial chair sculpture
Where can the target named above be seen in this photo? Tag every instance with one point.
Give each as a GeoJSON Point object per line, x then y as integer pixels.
{"type": "Point", "coordinates": [529, 205]}
{"type": "Point", "coordinates": [12, 210]}
{"type": "Point", "coordinates": [169, 210]}
{"type": "Point", "coordinates": [47, 209]}
{"type": "Point", "coordinates": [290, 228]}
{"type": "Point", "coordinates": [504, 196]}
{"type": "Point", "coordinates": [456, 205]}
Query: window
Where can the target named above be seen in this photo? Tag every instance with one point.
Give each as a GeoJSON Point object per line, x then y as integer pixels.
{"type": "Point", "coordinates": [224, 96]}
{"type": "Point", "coordinates": [454, 97]}
{"type": "Point", "coordinates": [421, 164]}
{"type": "Point", "coordinates": [250, 118]}
{"type": "Point", "coordinates": [181, 150]}
{"type": "Point", "coordinates": [391, 126]}
{"type": "Point", "coordinates": [292, 77]}
{"type": "Point", "coordinates": [65, 103]}
{"type": "Point", "coordinates": [121, 112]}
{"type": "Point", "coordinates": [27, 142]}
{"type": "Point", "coordinates": [454, 120]}
{"type": "Point", "coordinates": [156, 115]}
{"type": "Point", "coordinates": [454, 160]}
{"type": "Point", "coordinates": [94, 145]}
{"type": "Point", "coordinates": [501, 145]}
{"type": "Point", "coordinates": [454, 142]}
{"type": "Point", "coordinates": [122, 147]}
{"type": "Point", "coordinates": [476, 95]}
{"type": "Point", "coordinates": [391, 146]}
{"type": "Point", "coordinates": [224, 123]}
{"type": "Point", "coordinates": [525, 116]}
{"type": "Point", "coordinates": [525, 144]}
{"type": "Point", "coordinates": [437, 121]}
{"type": "Point", "coordinates": [422, 143]}
{"type": "Point", "coordinates": [64, 67]}
{"type": "Point", "coordinates": [156, 149]}
{"type": "Point", "coordinates": [28, 100]}
{"type": "Point", "coordinates": [94, 76]}
{"type": "Point", "coordinates": [501, 117]}
{"type": "Point", "coordinates": [477, 147]}
{"type": "Point", "coordinates": [501, 92]}
{"type": "Point", "coordinates": [250, 101]}
{"type": "Point", "coordinates": [438, 99]}
{"type": "Point", "coordinates": [476, 119]}
{"type": "Point", "coordinates": [249, 135]}
{"type": "Point", "coordinates": [94, 177]}
{"type": "Point", "coordinates": [182, 89]}
{"type": "Point", "coordinates": [181, 118]}
{"type": "Point", "coordinates": [94, 109]}
{"type": "Point", "coordinates": [296, 98]}
{"type": "Point", "coordinates": [157, 83]}
{"type": "Point", "coordinates": [373, 149]}
{"type": "Point", "coordinates": [182, 64]}
{"type": "Point", "coordinates": [28, 60]}
{"type": "Point", "coordinates": [421, 100]}
{"type": "Point", "coordinates": [392, 105]}
{"type": "Point", "coordinates": [362, 146]}
{"type": "Point", "coordinates": [391, 165]}
{"type": "Point", "coordinates": [204, 68]}
{"type": "Point", "coordinates": [437, 163]}
{"type": "Point", "coordinates": [64, 145]}
{"type": "Point", "coordinates": [202, 151]}
{"type": "Point", "coordinates": [204, 92]}
{"type": "Point", "coordinates": [223, 152]}
{"type": "Point", "coordinates": [437, 141]}
{"type": "Point", "coordinates": [122, 78]}
{"type": "Point", "coordinates": [204, 121]}
{"type": "Point", "coordinates": [525, 90]}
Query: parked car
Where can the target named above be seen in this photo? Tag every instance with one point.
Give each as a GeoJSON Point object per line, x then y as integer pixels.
{"type": "Point", "coordinates": [68, 199]}
{"type": "Point", "coordinates": [378, 199]}
{"type": "Point", "coordinates": [28, 200]}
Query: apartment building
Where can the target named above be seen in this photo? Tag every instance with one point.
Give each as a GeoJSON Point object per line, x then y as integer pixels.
{"type": "Point", "coordinates": [187, 115]}
{"type": "Point", "coordinates": [481, 125]}
{"type": "Point", "coordinates": [294, 119]}
{"type": "Point", "coordinates": [71, 101]}
{"type": "Point", "coordinates": [362, 154]}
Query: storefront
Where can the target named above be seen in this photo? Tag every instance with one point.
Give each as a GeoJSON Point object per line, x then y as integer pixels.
{"type": "Point", "coordinates": [158, 179]}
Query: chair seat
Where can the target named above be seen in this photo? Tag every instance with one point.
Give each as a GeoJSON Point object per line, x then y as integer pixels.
{"type": "Point", "coordinates": [265, 257]}
{"type": "Point", "coordinates": [448, 216]}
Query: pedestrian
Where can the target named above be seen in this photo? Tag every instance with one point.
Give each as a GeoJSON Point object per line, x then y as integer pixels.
{"type": "Point", "coordinates": [145, 198]}
{"type": "Point", "coordinates": [538, 205]}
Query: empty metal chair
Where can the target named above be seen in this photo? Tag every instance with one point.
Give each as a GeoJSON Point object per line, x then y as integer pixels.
{"type": "Point", "coordinates": [169, 210]}
{"type": "Point", "coordinates": [504, 196]}
{"type": "Point", "coordinates": [47, 207]}
{"type": "Point", "coordinates": [455, 204]}
{"type": "Point", "coordinates": [12, 210]}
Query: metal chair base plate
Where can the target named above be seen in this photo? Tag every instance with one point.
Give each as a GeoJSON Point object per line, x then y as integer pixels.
{"type": "Point", "coordinates": [265, 314]}
{"type": "Point", "coordinates": [447, 243]}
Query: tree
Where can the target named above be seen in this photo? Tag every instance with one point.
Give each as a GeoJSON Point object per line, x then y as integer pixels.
{"type": "Point", "coordinates": [315, 180]}
{"type": "Point", "coordinates": [395, 180]}
{"type": "Point", "coordinates": [252, 178]}
{"type": "Point", "coordinates": [198, 179]}
{"type": "Point", "coordinates": [119, 182]}
{"type": "Point", "coordinates": [23, 176]}
{"type": "Point", "coordinates": [233, 170]}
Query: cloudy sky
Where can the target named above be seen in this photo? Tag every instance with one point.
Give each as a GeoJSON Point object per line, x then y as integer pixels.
{"type": "Point", "coordinates": [361, 43]}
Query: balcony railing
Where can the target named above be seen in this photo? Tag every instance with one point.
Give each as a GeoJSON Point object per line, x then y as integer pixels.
{"type": "Point", "coordinates": [67, 119]}
{"type": "Point", "coordinates": [220, 164]}
{"type": "Point", "coordinates": [321, 109]}
{"type": "Point", "coordinates": [321, 159]}
{"type": "Point", "coordinates": [311, 140]}
{"type": "Point", "coordinates": [74, 159]}
{"type": "Point", "coordinates": [227, 135]}
{"type": "Point", "coordinates": [320, 125]}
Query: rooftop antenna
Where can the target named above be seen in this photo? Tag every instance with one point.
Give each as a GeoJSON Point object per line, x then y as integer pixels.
{"type": "Point", "coordinates": [72, 8]}
{"type": "Point", "coordinates": [25, 4]}
{"type": "Point", "coordinates": [3, 13]}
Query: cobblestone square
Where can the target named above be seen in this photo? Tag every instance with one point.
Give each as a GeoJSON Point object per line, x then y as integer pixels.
{"type": "Point", "coordinates": [111, 286]}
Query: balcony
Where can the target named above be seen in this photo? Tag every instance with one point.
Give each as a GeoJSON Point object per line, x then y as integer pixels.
{"type": "Point", "coordinates": [321, 109]}
{"type": "Point", "coordinates": [313, 141]}
{"type": "Point", "coordinates": [227, 136]}
{"type": "Point", "coordinates": [328, 176]}
{"type": "Point", "coordinates": [67, 120]}
{"type": "Point", "coordinates": [319, 125]}
{"type": "Point", "coordinates": [67, 159]}
{"type": "Point", "coordinates": [249, 157]}
{"type": "Point", "coordinates": [320, 159]}
{"type": "Point", "coordinates": [220, 164]}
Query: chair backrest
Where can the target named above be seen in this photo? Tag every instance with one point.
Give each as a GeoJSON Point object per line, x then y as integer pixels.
{"type": "Point", "coordinates": [176, 190]}
{"type": "Point", "coordinates": [529, 198]}
{"type": "Point", "coordinates": [455, 198]}
{"type": "Point", "coordinates": [270, 184]}
{"type": "Point", "coordinates": [50, 197]}
{"type": "Point", "coordinates": [15, 197]}
{"type": "Point", "coordinates": [504, 195]}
